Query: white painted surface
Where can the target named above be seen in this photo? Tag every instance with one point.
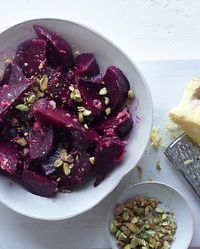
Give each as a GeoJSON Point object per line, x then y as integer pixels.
{"type": "Point", "coordinates": [146, 30]}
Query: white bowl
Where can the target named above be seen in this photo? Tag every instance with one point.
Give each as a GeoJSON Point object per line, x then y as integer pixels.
{"type": "Point", "coordinates": [171, 200]}
{"type": "Point", "coordinates": [67, 205]}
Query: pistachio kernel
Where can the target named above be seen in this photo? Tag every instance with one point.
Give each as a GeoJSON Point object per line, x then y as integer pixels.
{"type": "Point", "coordinates": [113, 227]}
{"type": "Point", "coordinates": [86, 126]}
{"type": "Point", "coordinates": [106, 100]}
{"type": "Point", "coordinates": [69, 158]}
{"type": "Point", "coordinates": [21, 141]}
{"type": "Point", "coordinates": [92, 160]}
{"type": "Point", "coordinates": [31, 99]}
{"type": "Point", "coordinates": [58, 163]}
{"type": "Point", "coordinates": [71, 165]}
{"type": "Point", "coordinates": [87, 113]}
{"type": "Point", "coordinates": [131, 94]}
{"type": "Point", "coordinates": [63, 155]}
{"type": "Point", "coordinates": [103, 91]}
{"type": "Point", "coordinates": [81, 108]}
{"type": "Point", "coordinates": [22, 107]}
{"type": "Point", "coordinates": [66, 169]}
{"type": "Point", "coordinates": [43, 83]}
{"type": "Point", "coordinates": [159, 210]}
{"type": "Point", "coordinates": [108, 111]}
{"type": "Point", "coordinates": [40, 94]}
{"type": "Point", "coordinates": [80, 117]}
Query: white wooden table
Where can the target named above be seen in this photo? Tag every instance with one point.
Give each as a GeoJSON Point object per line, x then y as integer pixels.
{"type": "Point", "coordinates": [164, 30]}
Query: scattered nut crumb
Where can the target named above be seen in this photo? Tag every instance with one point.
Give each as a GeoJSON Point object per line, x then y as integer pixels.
{"type": "Point", "coordinates": [155, 138]}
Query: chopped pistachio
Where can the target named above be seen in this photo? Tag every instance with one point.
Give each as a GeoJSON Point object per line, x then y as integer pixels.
{"type": "Point", "coordinates": [71, 88]}
{"type": "Point", "coordinates": [69, 158]}
{"type": "Point", "coordinates": [31, 99]}
{"type": "Point", "coordinates": [103, 91]}
{"type": "Point", "coordinates": [81, 108]}
{"type": "Point", "coordinates": [107, 100]}
{"type": "Point", "coordinates": [43, 83]}
{"type": "Point", "coordinates": [80, 117]}
{"type": "Point", "coordinates": [159, 210]}
{"type": "Point", "coordinates": [113, 227]}
{"type": "Point", "coordinates": [122, 237]}
{"type": "Point", "coordinates": [108, 111]}
{"type": "Point", "coordinates": [40, 94]}
{"type": "Point", "coordinates": [87, 113]}
{"type": "Point", "coordinates": [63, 155]}
{"type": "Point", "coordinates": [66, 169]}
{"type": "Point", "coordinates": [92, 160]}
{"type": "Point", "coordinates": [22, 107]}
{"type": "Point", "coordinates": [71, 165]}
{"type": "Point", "coordinates": [126, 216]}
{"type": "Point", "coordinates": [128, 246]}
{"type": "Point", "coordinates": [86, 126]}
{"type": "Point", "coordinates": [58, 163]}
{"type": "Point", "coordinates": [131, 94]}
{"type": "Point", "coordinates": [21, 141]}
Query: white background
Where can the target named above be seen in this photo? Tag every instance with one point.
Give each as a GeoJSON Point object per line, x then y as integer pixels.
{"type": "Point", "coordinates": [164, 30]}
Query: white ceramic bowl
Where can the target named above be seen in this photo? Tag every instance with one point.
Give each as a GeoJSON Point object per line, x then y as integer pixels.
{"type": "Point", "coordinates": [67, 205]}
{"type": "Point", "coordinates": [171, 200]}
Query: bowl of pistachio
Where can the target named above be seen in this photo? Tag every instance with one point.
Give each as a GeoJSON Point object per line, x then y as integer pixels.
{"type": "Point", "coordinates": [150, 215]}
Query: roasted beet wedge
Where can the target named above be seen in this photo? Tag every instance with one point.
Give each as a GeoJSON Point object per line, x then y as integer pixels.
{"type": "Point", "coordinates": [31, 57]}
{"type": "Point", "coordinates": [122, 123]}
{"type": "Point", "coordinates": [58, 117]}
{"type": "Point", "coordinates": [90, 94]}
{"type": "Point", "coordinates": [9, 157]}
{"type": "Point", "coordinates": [86, 65]}
{"type": "Point", "coordinates": [117, 87]}
{"type": "Point", "coordinates": [59, 52]}
{"type": "Point", "coordinates": [108, 154]}
{"type": "Point", "coordinates": [58, 89]}
{"type": "Point", "coordinates": [10, 95]}
{"type": "Point", "coordinates": [79, 173]}
{"type": "Point", "coordinates": [13, 75]}
{"type": "Point", "coordinates": [61, 118]}
{"type": "Point", "coordinates": [37, 184]}
{"type": "Point", "coordinates": [40, 140]}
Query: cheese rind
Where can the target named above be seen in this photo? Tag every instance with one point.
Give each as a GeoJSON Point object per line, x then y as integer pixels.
{"type": "Point", "coordinates": [187, 112]}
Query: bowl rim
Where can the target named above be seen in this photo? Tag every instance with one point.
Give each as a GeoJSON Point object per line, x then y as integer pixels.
{"type": "Point", "coordinates": [147, 183]}
{"type": "Point", "coordinates": [149, 97]}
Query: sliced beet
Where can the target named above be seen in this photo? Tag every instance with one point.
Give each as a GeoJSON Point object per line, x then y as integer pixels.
{"type": "Point", "coordinates": [122, 123]}
{"type": "Point", "coordinates": [61, 118]}
{"type": "Point", "coordinates": [37, 184]}
{"type": "Point", "coordinates": [86, 65]}
{"type": "Point", "coordinates": [58, 117]}
{"type": "Point", "coordinates": [117, 87]}
{"type": "Point", "coordinates": [31, 57]}
{"type": "Point", "coordinates": [13, 75]}
{"type": "Point", "coordinates": [40, 140]}
{"type": "Point", "coordinates": [59, 52]}
{"type": "Point", "coordinates": [79, 173]}
{"type": "Point", "coordinates": [9, 157]}
{"type": "Point", "coordinates": [108, 154]}
{"type": "Point", "coordinates": [10, 94]}
{"type": "Point", "coordinates": [90, 94]}
{"type": "Point", "coordinates": [58, 88]}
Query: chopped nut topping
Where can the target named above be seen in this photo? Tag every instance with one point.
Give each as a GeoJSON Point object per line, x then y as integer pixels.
{"type": "Point", "coordinates": [92, 160]}
{"type": "Point", "coordinates": [43, 83]}
{"type": "Point", "coordinates": [108, 111]}
{"type": "Point", "coordinates": [22, 107]}
{"type": "Point", "coordinates": [107, 100]}
{"type": "Point", "coordinates": [21, 141]}
{"type": "Point", "coordinates": [66, 169]}
{"type": "Point", "coordinates": [58, 163]}
{"type": "Point", "coordinates": [131, 94]}
{"type": "Point", "coordinates": [103, 91]}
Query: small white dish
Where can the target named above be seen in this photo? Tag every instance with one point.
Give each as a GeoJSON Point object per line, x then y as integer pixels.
{"type": "Point", "coordinates": [171, 200]}
{"type": "Point", "coordinates": [66, 205]}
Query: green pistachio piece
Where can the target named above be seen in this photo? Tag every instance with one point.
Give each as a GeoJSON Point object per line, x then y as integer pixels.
{"type": "Point", "coordinates": [87, 113]}
{"type": "Point", "coordinates": [21, 141]}
{"type": "Point", "coordinates": [31, 99]}
{"type": "Point", "coordinates": [92, 160]}
{"type": "Point", "coordinates": [43, 83]}
{"type": "Point", "coordinates": [58, 163]}
{"type": "Point", "coordinates": [108, 111]}
{"type": "Point", "coordinates": [134, 242]}
{"type": "Point", "coordinates": [128, 246]}
{"type": "Point", "coordinates": [71, 165]}
{"type": "Point", "coordinates": [66, 169]}
{"type": "Point", "coordinates": [86, 126]}
{"type": "Point", "coordinates": [126, 216]}
{"type": "Point", "coordinates": [122, 237]}
{"type": "Point", "coordinates": [113, 227]}
{"type": "Point", "coordinates": [107, 100]}
{"type": "Point", "coordinates": [22, 107]}
{"type": "Point", "coordinates": [63, 155]}
{"type": "Point", "coordinates": [159, 210]}
{"type": "Point", "coordinates": [103, 91]}
{"type": "Point", "coordinates": [80, 117]}
{"type": "Point", "coordinates": [131, 94]}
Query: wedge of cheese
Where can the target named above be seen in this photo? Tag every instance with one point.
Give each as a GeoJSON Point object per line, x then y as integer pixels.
{"type": "Point", "coordinates": [187, 112]}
